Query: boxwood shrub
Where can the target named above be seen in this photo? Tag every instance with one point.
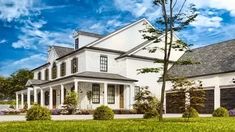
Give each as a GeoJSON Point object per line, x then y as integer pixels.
{"type": "Point", "coordinates": [37, 112]}
{"type": "Point", "coordinates": [151, 114]}
{"type": "Point", "coordinates": [220, 112]}
{"type": "Point", "coordinates": [190, 113]}
{"type": "Point", "coordinates": [103, 113]}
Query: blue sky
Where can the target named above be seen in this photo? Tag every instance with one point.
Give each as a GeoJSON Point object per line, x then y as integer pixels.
{"type": "Point", "coordinates": [27, 27]}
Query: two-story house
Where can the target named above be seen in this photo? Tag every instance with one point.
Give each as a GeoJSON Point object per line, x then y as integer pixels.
{"type": "Point", "coordinates": [106, 66]}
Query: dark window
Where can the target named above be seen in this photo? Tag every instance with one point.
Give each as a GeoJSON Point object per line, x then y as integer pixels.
{"type": "Point", "coordinates": [63, 69]}
{"type": "Point", "coordinates": [95, 93]}
{"type": "Point", "coordinates": [103, 63]}
{"type": "Point", "coordinates": [74, 65]}
{"type": "Point", "coordinates": [76, 43]}
{"type": "Point", "coordinates": [137, 90]}
{"type": "Point", "coordinates": [46, 101]}
{"type": "Point", "coordinates": [111, 94]}
{"type": "Point", "coordinates": [39, 75]}
{"type": "Point", "coordinates": [47, 74]}
{"type": "Point", "coordinates": [54, 71]}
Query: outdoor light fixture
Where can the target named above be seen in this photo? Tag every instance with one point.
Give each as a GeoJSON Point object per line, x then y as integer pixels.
{"type": "Point", "coordinates": [233, 80]}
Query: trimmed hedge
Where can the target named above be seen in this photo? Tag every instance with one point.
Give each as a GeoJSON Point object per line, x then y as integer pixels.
{"type": "Point", "coordinates": [37, 112]}
{"type": "Point", "coordinates": [151, 114]}
{"type": "Point", "coordinates": [103, 113]}
{"type": "Point", "coordinates": [190, 113]}
{"type": "Point", "coordinates": [220, 112]}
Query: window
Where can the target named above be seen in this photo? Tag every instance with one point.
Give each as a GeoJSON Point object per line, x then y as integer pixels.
{"type": "Point", "coordinates": [111, 94]}
{"type": "Point", "coordinates": [74, 65]}
{"type": "Point", "coordinates": [46, 74]}
{"type": "Point", "coordinates": [95, 93]}
{"type": "Point", "coordinates": [63, 69]}
{"type": "Point", "coordinates": [39, 75]}
{"type": "Point", "coordinates": [54, 71]}
{"type": "Point", "coordinates": [76, 43]}
{"type": "Point", "coordinates": [137, 90]}
{"type": "Point", "coordinates": [103, 63]}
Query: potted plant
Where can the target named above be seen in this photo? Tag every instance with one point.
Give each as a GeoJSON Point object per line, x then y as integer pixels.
{"type": "Point", "coordinates": [89, 97]}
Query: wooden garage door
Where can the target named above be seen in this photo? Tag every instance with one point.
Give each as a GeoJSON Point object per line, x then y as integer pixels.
{"type": "Point", "coordinates": [209, 102]}
{"type": "Point", "coordinates": [170, 106]}
{"type": "Point", "coordinates": [227, 98]}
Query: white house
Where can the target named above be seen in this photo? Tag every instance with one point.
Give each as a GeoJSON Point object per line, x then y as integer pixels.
{"type": "Point", "coordinates": [105, 65]}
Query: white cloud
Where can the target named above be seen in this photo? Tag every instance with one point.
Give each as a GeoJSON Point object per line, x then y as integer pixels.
{"type": "Point", "coordinates": [12, 9]}
{"type": "Point", "coordinates": [30, 62]}
{"type": "Point", "coordinates": [3, 41]}
{"type": "Point", "coordinates": [204, 21]}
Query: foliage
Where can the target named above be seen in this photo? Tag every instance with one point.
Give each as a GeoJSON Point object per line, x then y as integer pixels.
{"type": "Point", "coordinates": [89, 96]}
{"type": "Point", "coordinates": [56, 112]}
{"type": "Point", "coordinates": [220, 112]}
{"type": "Point", "coordinates": [8, 102]}
{"type": "Point", "coordinates": [145, 102]}
{"type": "Point", "coordinates": [16, 82]}
{"type": "Point", "coordinates": [151, 114]}
{"type": "Point", "coordinates": [36, 112]}
{"type": "Point", "coordinates": [71, 101]}
{"type": "Point", "coordinates": [124, 125]}
{"type": "Point", "coordinates": [190, 113]}
{"type": "Point", "coordinates": [103, 113]}
{"type": "Point", "coordinates": [188, 94]}
{"type": "Point", "coordinates": [232, 112]}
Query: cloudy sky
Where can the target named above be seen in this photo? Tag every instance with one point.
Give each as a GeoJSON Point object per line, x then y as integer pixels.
{"type": "Point", "coordinates": [27, 27]}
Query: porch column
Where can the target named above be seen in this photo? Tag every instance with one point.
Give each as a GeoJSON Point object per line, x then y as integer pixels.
{"type": "Point", "coordinates": [132, 96]}
{"type": "Point", "coordinates": [61, 94]}
{"type": "Point", "coordinates": [51, 98]}
{"type": "Point", "coordinates": [42, 97]}
{"type": "Point", "coordinates": [17, 101]}
{"type": "Point", "coordinates": [22, 100]}
{"type": "Point", "coordinates": [105, 93]}
{"type": "Point", "coordinates": [217, 94]}
{"type": "Point", "coordinates": [28, 98]}
{"type": "Point", "coordinates": [76, 86]}
{"type": "Point", "coordinates": [35, 95]}
{"type": "Point", "coordinates": [127, 96]}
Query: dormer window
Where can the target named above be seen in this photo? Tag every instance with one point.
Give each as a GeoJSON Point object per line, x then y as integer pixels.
{"type": "Point", "coordinates": [54, 71]}
{"type": "Point", "coordinates": [46, 74]}
{"type": "Point", "coordinates": [74, 65]}
{"type": "Point", "coordinates": [76, 43]}
{"type": "Point", "coordinates": [63, 69]}
{"type": "Point", "coordinates": [39, 75]}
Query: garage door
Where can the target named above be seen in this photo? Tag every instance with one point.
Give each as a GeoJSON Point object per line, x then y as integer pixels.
{"type": "Point", "coordinates": [171, 107]}
{"type": "Point", "coordinates": [227, 98]}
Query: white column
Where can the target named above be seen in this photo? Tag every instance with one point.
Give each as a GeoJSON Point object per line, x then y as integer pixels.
{"type": "Point", "coordinates": [35, 96]}
{"type": "Point", "coordinates": [132, 96]}
{"type": "Point", "coordinates": [42, 97]}
{"type": "Point", "coordinates": [76, 86]}
{"type": "Point", "coordinates": [127, 97]}
{"type": "Point", "coordinates": [22, 100]}
{"type": "Point", "coordinates": [216, 94]}
{"type": "Point", "coordinates": [28, 98]}
{"type": "Point", "coordinates": [62, 94]}
{"type": "Point", "coordinates": [17, 101]}
{"type": "Point", "coordinates": [51, 98]}
{"type": "Point", "coordinates": [105, 93]}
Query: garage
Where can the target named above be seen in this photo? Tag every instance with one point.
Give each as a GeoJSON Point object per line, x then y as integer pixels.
{"type": "Point", "coordinates": [227, 98]}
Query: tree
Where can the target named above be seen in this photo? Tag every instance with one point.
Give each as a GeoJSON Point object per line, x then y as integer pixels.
{"type": "Point", "coordinates": [173, 18]}
{"type": "Point", "coordinates": [192, 94]}
{"type": "Point", "coordinates": [4, 85]}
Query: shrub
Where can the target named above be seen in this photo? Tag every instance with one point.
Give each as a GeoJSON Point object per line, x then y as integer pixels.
{"type": "Point", "coordinates": [103, 113]}
{"type": "Point", "coordinates": [71, 102]}
{"type": "Point", "coordinates": [220, 112]}
{"type": "Point", "coordinates": [151, 114]}
{"type": "Point", "coordinates": [37, 112]}
{"type": "Point", "coordinates": [190, 113]}
{"type": "Point", "coordinates": [55, 112]}
{"type": "Point", "coordinates": [232, 112]}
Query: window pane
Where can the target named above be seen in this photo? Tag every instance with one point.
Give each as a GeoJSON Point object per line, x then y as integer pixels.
{"type": "Point", "coordinates": [95, 93]}
{"type": "Point", "coordinates": [111, 94]}
{"type": "Point", "coordinates": [104, 63]}
{"type": "Point", "coordinates": [137, 90]}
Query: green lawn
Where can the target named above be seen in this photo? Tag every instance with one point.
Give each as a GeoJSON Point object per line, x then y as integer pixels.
{"type": "Point", "coordinates": [169, 125]}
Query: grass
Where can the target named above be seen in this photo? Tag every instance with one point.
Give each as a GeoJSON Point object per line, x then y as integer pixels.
{"type": "Point", "coordinates": [126, 125]}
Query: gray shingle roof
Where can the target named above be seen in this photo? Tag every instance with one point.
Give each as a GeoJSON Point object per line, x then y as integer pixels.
{"type": "Point", "coordinates": [214, 59]}
{"type": "Point", "coordinates": [34, 82]}
{"type": "Point", "coordinates": [61, 51]}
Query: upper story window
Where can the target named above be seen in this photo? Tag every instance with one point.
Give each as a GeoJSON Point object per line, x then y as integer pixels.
{"type": "Point", "coordinates": [54, 71]}
{"type": "Point", "coordinates": [63, 69]}
{"type": "Point", "coordinates": [76, 43]}
{"type": "Point", "coordinates": [95, 93]}
{"type": "Point", "coordinates": [137, 90]}
{"type": "Point", "coordinates": [103, 63]}
{"type": "Point", "coordinates": [111, 94]}
{"type": "Point", "coordinates": [39, 75]}
{"type": "Point", "coordinates": [74, 65]}
{"type": "Point", "coordinates": [46, 74]}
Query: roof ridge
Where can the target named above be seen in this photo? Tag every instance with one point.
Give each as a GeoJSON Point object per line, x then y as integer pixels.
{"type": "Point", "coordinates": [61, 46]}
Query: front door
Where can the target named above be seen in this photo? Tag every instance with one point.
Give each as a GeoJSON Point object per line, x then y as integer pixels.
{"type": "Point", "coordinates": [121, 93]}
{"type": "Point", "coordinates": [54, 98]}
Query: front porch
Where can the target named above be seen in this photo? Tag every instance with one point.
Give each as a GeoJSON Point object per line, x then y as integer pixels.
{"type": "Point", "coordinates": [113, 93]}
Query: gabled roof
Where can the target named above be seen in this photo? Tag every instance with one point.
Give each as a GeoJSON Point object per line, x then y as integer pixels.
{"type": "Point", "coordinates": [61, 51]}
{"type": "Point", "coordinates": [213, 59]}
{"type": "Point", "coordinates": [34, 82]}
